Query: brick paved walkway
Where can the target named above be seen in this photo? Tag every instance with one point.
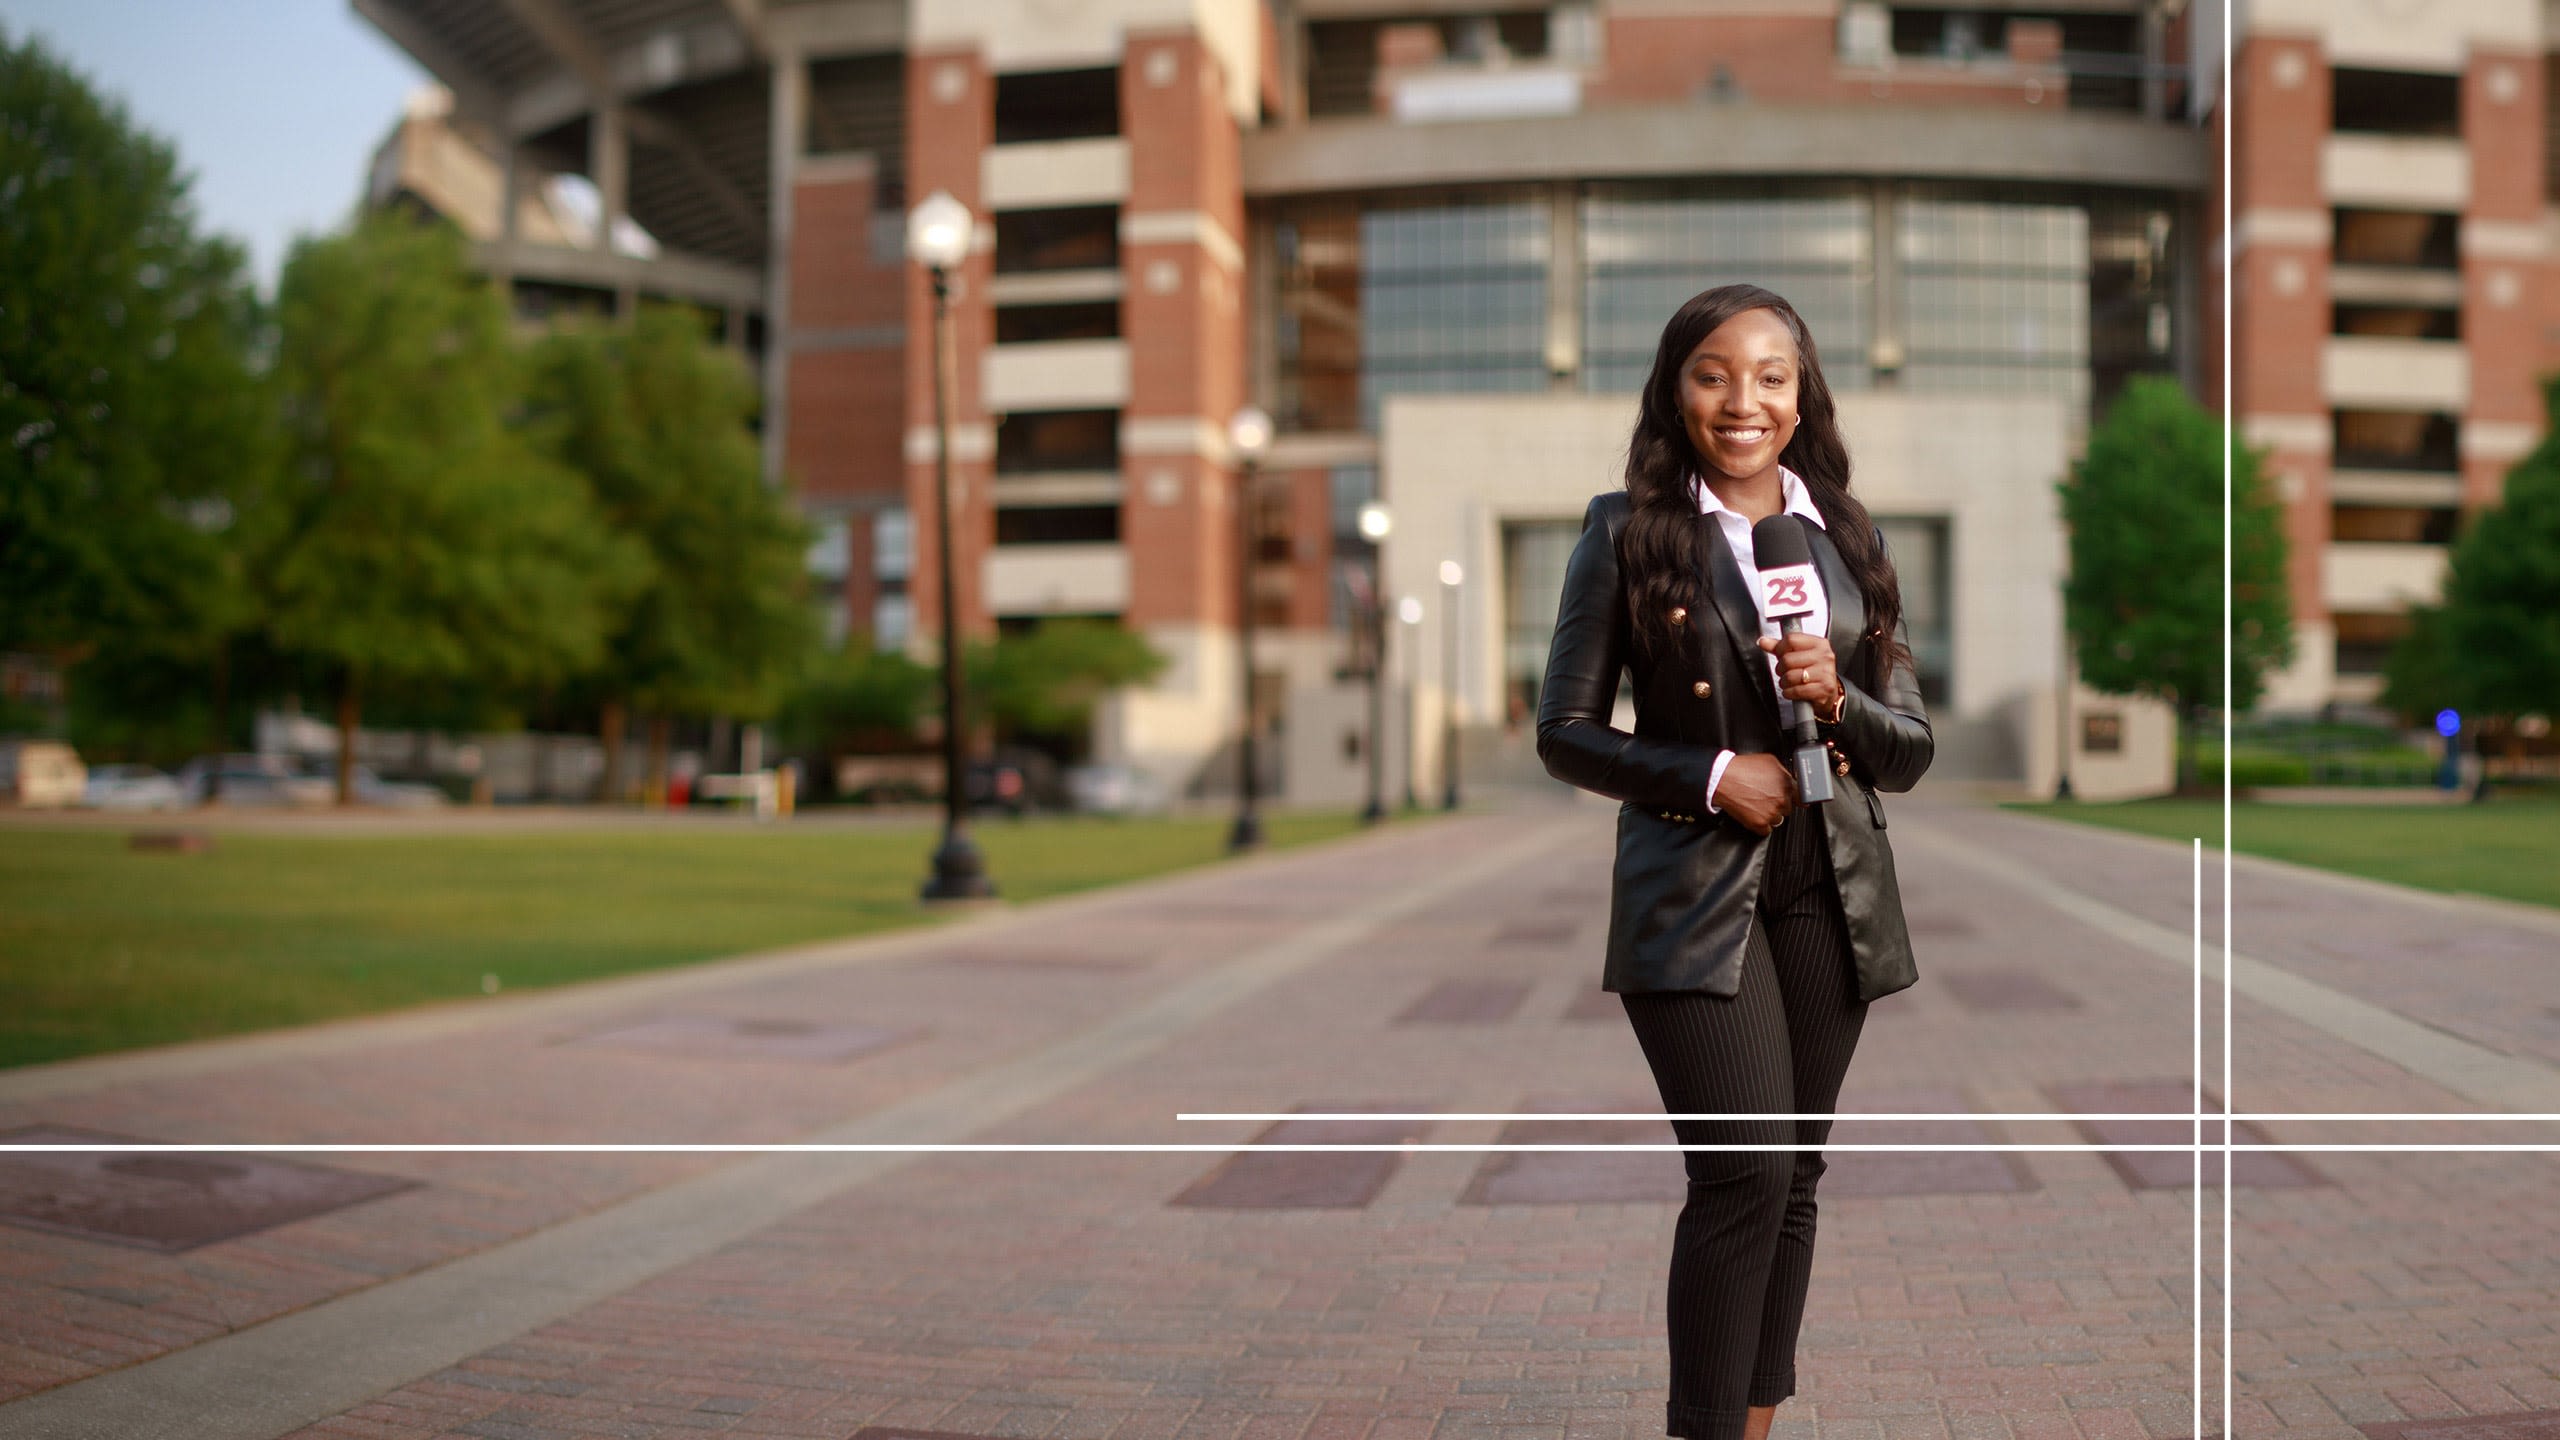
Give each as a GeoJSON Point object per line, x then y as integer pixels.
{"type": "Point", "coordinates": [1429, 1296]}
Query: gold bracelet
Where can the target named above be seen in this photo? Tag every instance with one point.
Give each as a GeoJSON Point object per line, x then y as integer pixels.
{"type": "Point", "coordinates": [1837, 705]}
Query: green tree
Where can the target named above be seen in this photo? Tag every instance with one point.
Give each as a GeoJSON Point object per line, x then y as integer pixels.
{"type": "Point", "coordinates": [135, 423]}
{"type": "Point", "coordinates": [2492, 649]}
{"type": "Point", "coordinates": [420, 539]}
{"type": "Point", "coordinates": [1045, 681]}
{"type": "Point", "coordinates": [2144, 601]}
{"type": "Point", "coordinates": [856, 701]}
{"type": "Point", "coordinates": [658, 420]}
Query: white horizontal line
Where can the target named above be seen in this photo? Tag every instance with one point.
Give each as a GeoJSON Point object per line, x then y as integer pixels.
{"type": "Point", "coordinates": [1896, 1115]}
{"type": "Point", "coordinates": [1072, 1147]}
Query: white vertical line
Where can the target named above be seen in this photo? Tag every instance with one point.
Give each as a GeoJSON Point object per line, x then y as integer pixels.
{"type": "Point", "coordinates": [2229, 15]}
{"type": "Point", "coordinates": [2195, 1156]}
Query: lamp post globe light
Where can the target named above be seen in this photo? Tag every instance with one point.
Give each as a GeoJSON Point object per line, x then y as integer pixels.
{"type": "Point", "coordinates": [1375, 524]}
{"type": "Point", "coordinates": [1451, 577]}
{"type": "Point", "coordinates": [1249, 434]}
{"type": "Point", "coordinates": [1409, 611]}
{"type": "Point", "coordinates": [938, 233]}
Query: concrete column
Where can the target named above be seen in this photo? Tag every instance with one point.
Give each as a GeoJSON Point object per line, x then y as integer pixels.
{"type": "Point", "coordinates": [609, 165]}
{"type": "Point", "coordinates": [788, 110]}
{"type": "Point", "coordinates": [1888, 343]}
{"type": "Point", "coordinates": [1564, 287]}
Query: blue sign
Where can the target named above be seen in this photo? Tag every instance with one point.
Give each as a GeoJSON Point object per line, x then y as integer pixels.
{"type": "Point", "coordinates": [2448, 723]}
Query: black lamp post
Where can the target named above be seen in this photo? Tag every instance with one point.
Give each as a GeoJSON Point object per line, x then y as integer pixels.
{"type": "Point", "coordinates": [1249, 432]}
{"type": "Point", "coordinates": [1375, 523]}
{"type": "Point", "coordinates": [938, 239]}
{"type": "Point", "coordinates": [1451, 577]}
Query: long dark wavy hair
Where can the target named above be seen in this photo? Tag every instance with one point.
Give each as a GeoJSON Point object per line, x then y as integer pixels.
{"type": "Point", "coordinates": [1658, 549]}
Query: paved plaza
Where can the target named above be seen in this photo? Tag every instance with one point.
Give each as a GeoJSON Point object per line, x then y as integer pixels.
{"type": "Point", "coordinates": [1445, 966]}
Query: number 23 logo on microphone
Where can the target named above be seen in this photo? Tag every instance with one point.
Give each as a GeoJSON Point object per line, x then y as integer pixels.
{"type": "Point", "coordinates": [1787, 591]}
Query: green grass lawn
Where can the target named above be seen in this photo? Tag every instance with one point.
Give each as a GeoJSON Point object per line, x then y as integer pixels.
{"type": "Point", "coordinates": [105, 948]}
{"type": "Point", "coordinates": [2508, 847]}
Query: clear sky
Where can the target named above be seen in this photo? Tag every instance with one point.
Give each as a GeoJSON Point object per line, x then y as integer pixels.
{"type": "Point", "coordinates": [274, 105]}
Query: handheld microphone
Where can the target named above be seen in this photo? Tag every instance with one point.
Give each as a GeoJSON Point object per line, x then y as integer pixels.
{"type": "Point", "coordinates": [1785, 561]}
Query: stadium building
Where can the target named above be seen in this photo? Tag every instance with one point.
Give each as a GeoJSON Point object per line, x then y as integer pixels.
{"type": "Point", "coordinates": [1435, 239]}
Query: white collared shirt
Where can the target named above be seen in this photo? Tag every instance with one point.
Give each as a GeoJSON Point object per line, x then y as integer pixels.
{"type": "Point", "coordinates": [1796, 500]}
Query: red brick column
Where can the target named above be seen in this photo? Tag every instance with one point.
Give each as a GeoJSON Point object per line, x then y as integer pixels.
{"type": "Point", "coordinates": [1182, 232]}
{"type": "Point", "coordinates": [2502, 263]}
{"type": "Point", "coordinates": [2280, 282]}
{"type": "Point", "coordinates": [848, 413]}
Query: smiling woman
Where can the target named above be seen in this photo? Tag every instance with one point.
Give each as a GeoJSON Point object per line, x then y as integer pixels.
{"type": "Point", "coordinates": [1745, 950]}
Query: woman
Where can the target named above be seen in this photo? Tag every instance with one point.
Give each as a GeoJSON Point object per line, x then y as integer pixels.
{"type": "Point", "coordinates": [1747, 932]}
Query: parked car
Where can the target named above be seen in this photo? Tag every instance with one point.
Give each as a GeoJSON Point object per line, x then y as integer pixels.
{"type": "Point", "coordinates": [1017, 780]}
{"type": "Point", "coordinates": [1116, 790]}
{"type": "Point", "coordinates": [40, 774]}
{"type": "Point", "coordinates": [372, 789]}
{"type": "Point", "coordinates": [131, 787]}
{"type": "Point", "coordinates": [272, 781]}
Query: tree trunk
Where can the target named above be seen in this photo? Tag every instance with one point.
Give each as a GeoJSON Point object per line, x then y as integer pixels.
{"type": "Point", "coordinates": [659, 725]}
{"type": "Point", "coordinates": [348, 713]}
{"type": "Point", "coordinates": [614, 722]}
{"type": "Point", "coordinates": [219, 740]}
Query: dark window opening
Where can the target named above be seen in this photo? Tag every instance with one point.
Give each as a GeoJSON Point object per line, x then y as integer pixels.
{"type": "Point", "coordinates": [1057, 105]}
{"type": "Point", "coordinates": [2394, 524]}
{"type": "Point", "coordinates": [2395, 102]}
{"type": "Point", "coordinates": [2408, 322]}
{"type": "Point", "coordinates": [1057, 524]}
{"type": "Point", "coordinates": [1084, 238]}
{"type": "Point", "coordinates": [1036, 441]}
{"type": "Point", "coordinates": [1027, 324]}
{"type": "Point", "coordinates": [2397, 237]}
{"type": "Point", "coordinates": [2395, 440]}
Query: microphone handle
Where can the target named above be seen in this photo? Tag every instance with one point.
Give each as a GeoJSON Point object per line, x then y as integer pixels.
{"type": "Point", "coordinates": [1812, 767]}
{"type": "Point", "coordinates": [1806, 734]}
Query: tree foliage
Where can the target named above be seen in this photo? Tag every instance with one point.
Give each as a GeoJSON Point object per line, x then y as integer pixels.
{"type": "Point", "coordinates": [2144, 601]}
{"type": "Point", "coordinates": [1046, 680]}
{"type": "Point", "coordinates": [134, 424]}
{"type": "Point", "coordinates": [656, 417]}
{"type": "Point", "coordinates": [857, 700]}
{"type": "Point", "coordinates": [421, 539]}
{"type": "Point", "coordinates": [2493, 647]}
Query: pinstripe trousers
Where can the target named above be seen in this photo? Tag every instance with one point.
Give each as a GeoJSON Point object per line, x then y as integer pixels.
{"type": "Point", "coordinates": [1742, 1252]}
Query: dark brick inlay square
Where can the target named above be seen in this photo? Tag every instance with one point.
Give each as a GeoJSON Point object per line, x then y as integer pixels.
{"type": "Point", "coordinates": [1309, 1179]}
{"type": "Point", "coordinates": [1918, 1172]}
{"type": "Point", "coordinates": [1466, 1002]}
{"type": "Point", "coordinates": [1986, 992]}
{"type": "Point", "coordinates": [2172, 1169]}
{"type": "Point", "coordinates": [164, 1201]}
{"type": "Point", "coordinates": [728, 1037]}
{"type": "Point", "coordinates": [1582, 1177]}
{"type": "Point", "coordinates": [2513, 1425]}
{"type": "Point", "coordinates": [1596, 1004]}
{"type": "Point", "coordinates": [893, 1432]}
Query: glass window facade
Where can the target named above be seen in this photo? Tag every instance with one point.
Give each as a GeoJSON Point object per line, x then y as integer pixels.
{"type": "Point", "coordinates": [1996, 296]}
{"type": "Point", "coordinates": [1533, 560]}
{"type": "Point", "coordinates": [1645, 252]}
{"type": "Point", "coordinates": [1408, 299]}
{"type": "Point", "coordinates": [1999, 289]}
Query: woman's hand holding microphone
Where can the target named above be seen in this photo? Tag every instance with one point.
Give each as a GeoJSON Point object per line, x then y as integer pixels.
{"type": "Point", "coordinates": [1760, 790]}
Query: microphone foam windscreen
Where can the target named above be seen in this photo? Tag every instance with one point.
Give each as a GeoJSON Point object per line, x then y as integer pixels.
{"type": "Point", "coordinates": [1778, 542]}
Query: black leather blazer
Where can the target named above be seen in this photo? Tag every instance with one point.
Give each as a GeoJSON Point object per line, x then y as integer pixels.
{"type": "Point", "coordinates": [1682, 891]}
